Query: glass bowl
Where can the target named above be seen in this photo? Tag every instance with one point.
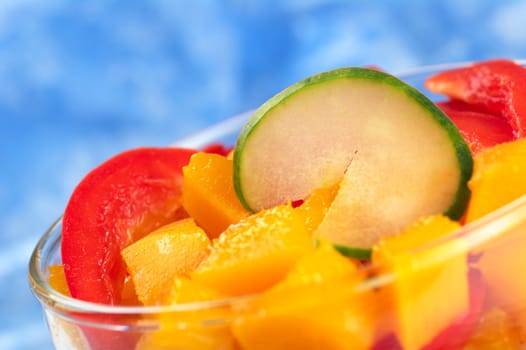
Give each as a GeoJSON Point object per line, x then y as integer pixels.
{"type": "Point", "coordinates": [380, 311]}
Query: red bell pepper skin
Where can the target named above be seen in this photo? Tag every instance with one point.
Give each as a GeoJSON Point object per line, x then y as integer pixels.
{"type": "Point", "coordinates": [498, 85]}
{"type": "Point", "coordinates": [479, 128]}
{"type": "Point", "coordinates": [118, 202]}
{"type": "Point", "coordinates": [217, 148]}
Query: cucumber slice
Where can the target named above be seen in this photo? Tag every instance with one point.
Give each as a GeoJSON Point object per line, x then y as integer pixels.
{"type": "Point", "coordinates": [398, 157]}
{"type": "Point", "coordinates": [355, 253]}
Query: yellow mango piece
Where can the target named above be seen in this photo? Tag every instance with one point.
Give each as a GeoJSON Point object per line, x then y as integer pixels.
{"type": "Point", "coordinates": [128, 294]}
{"type": "Point", "coordinates": [230, 155]}
{"type": "Point", "coordinates": [256, 253]}
{"type": "Point", "coordinates": [500, 258]}
{"type": "Point", "coordinates": [430, 290]}
{"type": "Point", "coordinates": [208, 193]}
{"type": "Point", "coordinates": [499, 175]}
{"type": "Point", "coordinates": [61, 328]}
{"type": "Point", "coordinates": [499, 178]}
{"type": "Point", "coordinates": [57, 279]}
{"type": "Point", "coordinates": [184, 290]}
{"type": "Point", "coordinates": [496, 330]}
{"type": "Point", "coordinates": [316, 205]}
{"type": "Point", "coordinates": [314, 307]}
{"type": "Point", "coordinates": [198, 329]}
{"type": "Point", "coordinates": [172, 250]}
{"type": "Point", "coordinates": [324, 264]}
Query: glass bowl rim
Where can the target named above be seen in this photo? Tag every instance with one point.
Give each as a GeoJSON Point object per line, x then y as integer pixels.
{"type": "Point", "coordinates": [475, 233]}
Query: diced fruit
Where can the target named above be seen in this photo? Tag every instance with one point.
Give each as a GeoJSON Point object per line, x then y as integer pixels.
{"type": "Point", "coordinates": [323, 265]}
{"type": "Point", "coordinates": [480, 129]}
{"type": "Point", "coordinates": [188, 336]}
{"type": "Point", "coordinates": [185, 290]}
{"type": "Point", "coordinates": [201, 328]}
{"type": "Point", "coordinates": [495, 331]}
{"type": "Point", "coordinates": [314, 307]}
{"type": "Point", "coordinates": [499, 259]}
{"type": "Point", "coordinates": [129, 295]}
{"type": "Point", "coordinates": [256, 253]}
{"type": "Point", "coordinates": [172, 250]}
{"type": "Point", "coordinates": [208, 193]}
{"type": "Point", "coordinates": [497, 85]}
{"type": "Point", "coordinates": [457, 334]}
{"type": "Point", "coordinates": [118, 202]}
{"type": "Point", "coordinates": [57, 279]}
{"type": "Point", "coordinates": [316, 205]}
{"type": "Point", "coordinates": [60, 327]}
{"type": "Point", "coordinates": [399, 155]}
{"type": "Point", "coordinates": [424, 278]}
{"type": "Point", "coordinates": [498, 178]}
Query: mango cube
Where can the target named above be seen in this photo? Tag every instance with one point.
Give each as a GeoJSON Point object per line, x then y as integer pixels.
{"type": "Point", "coordinates": [256, 253]}
{"type": "Point", "coordinates": [172, 250]}
{"type": "Point", "coordinates": [430, 288]}
{"type": "Point", "coordinates": [314, 307]}
{"type": "Point", "coordinates": [208, 193]}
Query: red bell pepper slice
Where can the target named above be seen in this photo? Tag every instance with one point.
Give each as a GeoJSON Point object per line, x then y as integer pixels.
{"type": "Point", "coordinates": [496, 85]}
{"type": "Point", "coordinates": [479, 128]}
{"type": "Point", "coordinates": [118, 202]}
{"type": "Point", "coordinates": [218, 148]}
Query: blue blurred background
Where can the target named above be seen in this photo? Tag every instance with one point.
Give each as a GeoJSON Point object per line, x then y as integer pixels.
{"type": "Point", "coordinates": [81, 81]}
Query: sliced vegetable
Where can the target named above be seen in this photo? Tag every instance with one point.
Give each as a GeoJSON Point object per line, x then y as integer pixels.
{"type": "Point", "coordinates": [479, 128]}
{"type": "Point", "coordinates": [402, 157]}
{"type": "Point", "coordinates": [496, 85]}
{"type": "Point", "coordinates": [117, 203]}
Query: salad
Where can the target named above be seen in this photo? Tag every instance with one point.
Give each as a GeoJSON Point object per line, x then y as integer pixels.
{"type": "Point", "coordinates": [344, 176]}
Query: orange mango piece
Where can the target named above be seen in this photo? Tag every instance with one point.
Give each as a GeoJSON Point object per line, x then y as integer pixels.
{"type": "Point", "coordinates": [256, 253]}
{"type": "Point", "coordinates": [498, 179]}
{"type": "Point", "coordinates": [185, 290]}
{"type": "Point", "coordinates": [316, 205]}
{"type": "Point", "coordinates": [322, 265]}
{"type": "Point", "coordinates": [499, 175]}
{"type": "Point", "coordinates": [60, 327]}
{"type": "Point", "coordinates": [198, 329]}
{"type": "Point", "coordinates": [208, 193]}
{"type": "Point", "coordinates": [57, 279]}
{"type": "Point", "coordinates": [172, 250]}
{"type": "Point", "coordinates": [499, 261]}
{"type": "Point", "coordinates": [424, 279]}
{"type": "Point", "coordinates": [314, 307]}
{"type": "Point", "coordinates": [128, 295]}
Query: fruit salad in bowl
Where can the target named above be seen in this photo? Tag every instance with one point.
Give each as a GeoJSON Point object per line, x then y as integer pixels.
{"type": "Point", "coordinates": [355, 209]}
